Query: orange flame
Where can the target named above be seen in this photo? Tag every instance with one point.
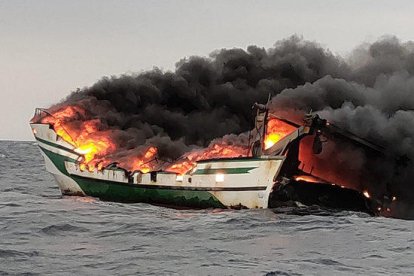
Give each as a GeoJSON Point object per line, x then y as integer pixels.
{"type": "Point", "coordinates": [212, 152]}
{"type": "Point", "coordinates": [93, 141]}
{"type": "Point", "coordinates": [95, 145]}
{"type": "Point", "coordinates": [276, 130]}
{"type": "Point", "coordinates": [307, 178]}
{"type": "Point", "coordinates": [91, 148]}
{"type": "Point", "coordinates": [86, 137]}
{"type": "Point", "coordinates": [143, 164]}
{"type": "Point", "coordinates": [58, 121]}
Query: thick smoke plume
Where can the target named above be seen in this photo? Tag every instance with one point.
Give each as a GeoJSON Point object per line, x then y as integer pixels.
{"type": "Point", "coordinates": [370, 94]}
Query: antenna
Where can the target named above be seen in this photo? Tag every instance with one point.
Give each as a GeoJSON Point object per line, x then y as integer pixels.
{"type": "Point", "coordinates": [268, 100]}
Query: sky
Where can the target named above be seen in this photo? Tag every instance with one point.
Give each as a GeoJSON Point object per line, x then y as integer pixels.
{"type": "Point", "coordinates": [50, 48]}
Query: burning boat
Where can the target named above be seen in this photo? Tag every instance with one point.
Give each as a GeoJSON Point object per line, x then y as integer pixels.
{"type": "Point", "coordinates": [265, 173]}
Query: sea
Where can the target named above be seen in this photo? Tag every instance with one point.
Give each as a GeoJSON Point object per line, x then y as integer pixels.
{"type": "Point", "coordinates": [43, 233]}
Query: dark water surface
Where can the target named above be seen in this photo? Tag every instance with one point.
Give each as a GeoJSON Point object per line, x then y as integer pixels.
{"type": "Point", "coordinates": [43, 233]}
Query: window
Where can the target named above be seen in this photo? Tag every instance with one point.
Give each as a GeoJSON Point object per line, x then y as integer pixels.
{"type": "Point", "coordinates": [153, 176]}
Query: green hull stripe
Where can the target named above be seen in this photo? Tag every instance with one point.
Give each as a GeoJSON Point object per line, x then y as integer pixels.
{"type": "Point", "coordinates": [58, 160]}
{"type": "Point", "coordinates": [56, 145]}
{"type": "Point", "coordinates": [225, 170]}
{"type": "Point", "coordinates": [166, 187]}
{"type": "Point", "coordinates": [129, 193]}
{"type": "Point", "coordinates": [240, 159]}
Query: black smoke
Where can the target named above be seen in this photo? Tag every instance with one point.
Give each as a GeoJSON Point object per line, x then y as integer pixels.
{"type": "Point", "coordinates": [373, 99]}
{"type": "Point", "coordinates": [369, 93]}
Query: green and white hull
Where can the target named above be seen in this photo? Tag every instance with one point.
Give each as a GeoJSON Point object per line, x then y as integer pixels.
{"type": "Point", "coordinates": [234, 183]}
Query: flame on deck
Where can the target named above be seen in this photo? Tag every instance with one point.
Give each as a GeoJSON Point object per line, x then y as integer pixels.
{"type": "Point", "coordinates": [92, 140]}
{"type": "Point", "coordinates": [276, 130]}
{"type": "Point", "coordinates": [214, 151]}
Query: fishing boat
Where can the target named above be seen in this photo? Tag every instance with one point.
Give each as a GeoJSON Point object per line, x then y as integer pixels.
{"type": "Point", "coordinates": [260, 180]}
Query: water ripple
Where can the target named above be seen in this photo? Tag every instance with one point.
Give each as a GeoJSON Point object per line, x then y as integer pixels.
{"type": "Point", "coordinates": [43, 233]}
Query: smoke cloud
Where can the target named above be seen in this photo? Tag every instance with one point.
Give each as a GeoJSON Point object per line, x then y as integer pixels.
{"type": "Point", "coordinates": [369, 93]}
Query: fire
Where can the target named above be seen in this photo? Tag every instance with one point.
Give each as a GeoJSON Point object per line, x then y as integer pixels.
{"type": "Point", "coordinates": [84, 136]}
{"type": "Point", "coordinates": [216, 150]}
{"type": "Point", "coordinates": [93, 140]}
{"type": "Point", "coordinates": [275, 131]}
{"type": "Point", "coordinates": [366, 194]}
{"type": "Point", "coordinates": [143, 163]}
{"type": "Point", "coordinates": [91, 148]}
{"type": "Point", "coordinates": [59, 119]}
{"type": "Point", "coordinates": [93, 143]}
{"type": "Point", "coordinates": [307, 178]}
{"type": "Point", "coordinates": [181, 167]}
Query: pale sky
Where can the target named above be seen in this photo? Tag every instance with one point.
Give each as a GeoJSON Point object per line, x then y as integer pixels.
{"type": "Point", "coordinates": [49, 48]}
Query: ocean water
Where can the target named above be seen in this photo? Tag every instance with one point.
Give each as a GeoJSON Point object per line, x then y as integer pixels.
{"type": "Point", "coordinates": [43, 233]}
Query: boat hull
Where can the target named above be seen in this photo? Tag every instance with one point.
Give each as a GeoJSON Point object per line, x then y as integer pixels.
{"type": "Point", "coordinates": [248, 181]}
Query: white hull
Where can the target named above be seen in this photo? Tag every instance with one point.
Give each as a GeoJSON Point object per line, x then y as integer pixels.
{"type": "Point", "coordinates": [244, 182]}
